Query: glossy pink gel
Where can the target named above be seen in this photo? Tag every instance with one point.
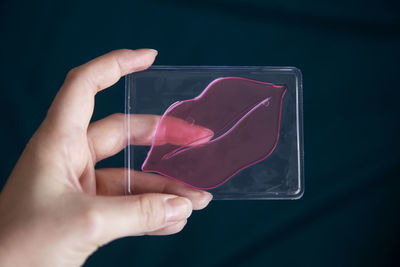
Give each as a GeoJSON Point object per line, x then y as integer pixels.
{"type": "Point", "coordinates": [239, 120]}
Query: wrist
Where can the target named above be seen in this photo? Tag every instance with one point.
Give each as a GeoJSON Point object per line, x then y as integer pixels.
{"type": "Point", "coordinates": [8, 250]}
{"type": "Point", "coordinates": [12, 248]}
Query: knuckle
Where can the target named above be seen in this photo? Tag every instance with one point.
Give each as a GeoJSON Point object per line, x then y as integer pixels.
{"type": "Point", "coordinates": [152, 215]}
{"type": "Point", "coordinates": [72, 73]}
{"type": "Point", "coordinates": [91, 220]}
{"type": "Point", "coordinates": [155, 120]}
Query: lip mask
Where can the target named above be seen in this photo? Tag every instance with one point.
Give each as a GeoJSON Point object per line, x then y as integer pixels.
{"type": "Point", "coordinates": [236, 121]}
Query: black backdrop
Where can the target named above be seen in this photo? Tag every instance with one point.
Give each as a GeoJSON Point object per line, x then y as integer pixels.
{"type": "Point", "coordinates": [349, 54]}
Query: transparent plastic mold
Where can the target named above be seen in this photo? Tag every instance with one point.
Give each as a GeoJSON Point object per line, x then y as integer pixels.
{"type": "Point", "coordinates": [233, 131]}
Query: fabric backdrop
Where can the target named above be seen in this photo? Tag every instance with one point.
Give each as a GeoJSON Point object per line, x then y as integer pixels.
{"type": "Point", "coordinates": [349, 54]}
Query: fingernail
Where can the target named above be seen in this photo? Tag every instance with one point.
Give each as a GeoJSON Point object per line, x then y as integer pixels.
{"type": "Point", "coordinates": [208, 132]}
{"type": "Point", "coordinates": [177, 209]}
{"type": "Point", "coordinates": [155, 51]}
{"type": "Point", "coordinates": [205, 135]}
{"type": "Point", "coordinates": [204, 132]}
{"type": "Point", "coordinates": [203, 195]}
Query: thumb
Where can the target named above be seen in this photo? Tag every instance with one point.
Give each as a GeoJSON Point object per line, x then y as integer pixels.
{"type": "Point", "coordinates": [116, 217]}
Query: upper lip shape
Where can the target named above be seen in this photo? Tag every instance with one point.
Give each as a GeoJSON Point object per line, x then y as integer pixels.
{"type": "Point", "coordinates": [243, 117]}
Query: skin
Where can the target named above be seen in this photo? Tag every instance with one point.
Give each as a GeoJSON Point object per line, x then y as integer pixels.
{"type": "Point", "coordinates": [56, 209]}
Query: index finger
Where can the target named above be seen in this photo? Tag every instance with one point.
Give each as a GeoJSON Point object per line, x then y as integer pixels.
{"type": "Point", "coordinates": [73, 105]}
{"type": "Point", "coordinates": [108, 136]}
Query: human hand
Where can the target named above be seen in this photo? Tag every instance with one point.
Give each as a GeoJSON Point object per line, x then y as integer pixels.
{"type": "Point", "coordinates": [56, 208]}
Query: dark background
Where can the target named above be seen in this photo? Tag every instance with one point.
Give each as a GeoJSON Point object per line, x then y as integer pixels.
{"type": "Point", "coordinates": [349, 54]}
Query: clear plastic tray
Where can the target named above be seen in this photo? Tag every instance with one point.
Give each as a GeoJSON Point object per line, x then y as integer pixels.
{"type": "Point", "coordinates": [257, 155]}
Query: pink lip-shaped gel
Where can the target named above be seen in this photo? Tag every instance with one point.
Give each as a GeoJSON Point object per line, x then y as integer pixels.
{"type": "Point", "coordinates": [240, 120]}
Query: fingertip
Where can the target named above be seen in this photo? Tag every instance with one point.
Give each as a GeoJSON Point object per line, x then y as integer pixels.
{"type": "Point", "coordinates": [150, 51]}
{"type": "Point", "coordinates": [201, 136]}
{"type": "Point", "coordinates": [154, 51]}
{"type": "Point", "coordinates": [170, 229]}
{"type": "Point", "coordinates": [199, 198]}
{"type": "Point", "coordinates": [135, 60]}
{"type": "Point", "coordinates": [209, 195]}
{"type": "Point", "coordinates": [202, 200]}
